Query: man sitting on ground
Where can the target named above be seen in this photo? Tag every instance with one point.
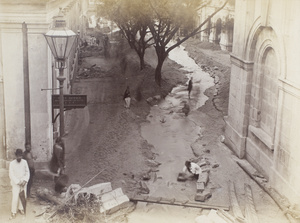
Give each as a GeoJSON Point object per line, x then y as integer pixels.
{"type": "Point", "coordinates": [192, 168]}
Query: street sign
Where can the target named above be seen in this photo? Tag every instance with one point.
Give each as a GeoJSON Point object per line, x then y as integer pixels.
{"type": "Point", "coordinates": [70, 101]}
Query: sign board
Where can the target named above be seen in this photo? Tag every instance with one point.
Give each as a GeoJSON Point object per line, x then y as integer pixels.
{"type": "Point", "coordinates": [70, 101]}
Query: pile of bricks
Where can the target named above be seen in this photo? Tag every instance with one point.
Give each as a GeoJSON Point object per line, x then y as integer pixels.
{"type": "Point", "coordinates": [202, 192]}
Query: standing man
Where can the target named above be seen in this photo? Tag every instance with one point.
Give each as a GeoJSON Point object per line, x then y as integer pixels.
{"type": "Point", "coordinates": [190, 86]}
{"type": "Point", "coordinates": [19, 176]}
{"type": "Point", "coordinates": [27, 155]}
{"type": "Point", "coordinates": [57, 163]}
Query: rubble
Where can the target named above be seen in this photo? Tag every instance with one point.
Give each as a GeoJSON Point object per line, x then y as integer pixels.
{"type": "Point", "coordinates": [80, 203]}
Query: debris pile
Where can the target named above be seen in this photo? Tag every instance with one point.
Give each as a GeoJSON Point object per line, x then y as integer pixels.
{"type": "Point", "coordinates": [85, 204]}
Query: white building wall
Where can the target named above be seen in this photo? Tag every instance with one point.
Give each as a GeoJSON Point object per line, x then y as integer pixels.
{"type": "Point", "coordinates": [12, 60]}
{"type": "Point", "coordinates": [38, 17]}
{"type": "Point", "coordinates": [261, 25]}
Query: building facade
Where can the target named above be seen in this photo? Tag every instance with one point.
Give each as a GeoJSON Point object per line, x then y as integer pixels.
{"type": "Point", "coordinates": [219, 29]}
{"type": "Point", "coordinates": [263, 123]}
{"type": "Point", "coordinates": [28, 75]}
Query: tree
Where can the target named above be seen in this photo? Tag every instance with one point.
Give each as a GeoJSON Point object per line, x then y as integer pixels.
{"type": "Point", "coordinates": [129, 17]}
{"type": "Point", "coordinates": [167, 18]}
{"type": "Point", "coordinates": [164, 18]}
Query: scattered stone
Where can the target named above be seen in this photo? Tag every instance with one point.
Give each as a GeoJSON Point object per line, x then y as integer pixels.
{"type": "Point", "coordinates": [153, 163]}
{"type": "Point", "coordinates": [215, 165]}
{"type": "Point", "coordinates": [216, 80]}
{"type": "Point", "coordinates": [203, 178]}
{"type": "Point", "coordinates": [222, 138]}
{"type": "Point", "coordinates": [216, 92]}
{"type": "Point", "coordinates": [149, 100]}
{"type": "Point", "coordinates": [206, 169]}
{"type": "Point", "coordinates": [207, 151]}
{"type": "Point", "coordinates": [196, 146]}
{"type": "Point", "coordinates": [163, 120]}
{"type": "Point", "coordinates": [144, 188]}
{"type": "Point", "coordinates": [146, 176]}
{"type": "Point", "coordinates": [181, 177]}
{"type": "Point", "coordinates": [157, 97]}
{"type": "Point", "coordinates": [200, 187]}
{"type": "Point", "coordinates": [203, 196]}
{"type": "Point", "coordinates": [203, 163]}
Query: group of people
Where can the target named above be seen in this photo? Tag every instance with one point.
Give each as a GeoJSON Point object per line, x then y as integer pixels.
{"type": "Point", "coordinates": [22, 171]}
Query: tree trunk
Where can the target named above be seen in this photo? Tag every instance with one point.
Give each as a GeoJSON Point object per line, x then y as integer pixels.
{"type": "Point", "coordinates": [142, 61]}
{"type": "Point", "coordinates": [158, 71]}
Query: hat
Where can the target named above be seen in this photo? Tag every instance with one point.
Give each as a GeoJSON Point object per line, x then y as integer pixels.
{"type": "Point", "coordinates": [19, 152]}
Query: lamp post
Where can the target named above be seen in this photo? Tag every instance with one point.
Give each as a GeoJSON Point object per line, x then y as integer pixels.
{"type": "Point", "coordinates": [60, 40]}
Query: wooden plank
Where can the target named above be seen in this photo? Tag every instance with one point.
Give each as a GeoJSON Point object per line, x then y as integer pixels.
{"type": "Point", "coordinates": [160, 200]}
{"type": "Point", "coordinates": [237, 212]}
{"type": "Point", "coordinates": [97, 189]}
{"type": "Point", "coordinates": [270, 191]}
{"type": "Point", "coordinates": [250, 212]}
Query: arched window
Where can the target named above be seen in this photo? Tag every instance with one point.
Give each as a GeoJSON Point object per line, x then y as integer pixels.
{"type": "Point", "coordinates": [268, 91]}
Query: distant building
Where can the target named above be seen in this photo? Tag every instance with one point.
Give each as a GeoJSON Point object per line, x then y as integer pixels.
{"type": "Point", "coordinates": [219, 29]}
{"type": "Point", "coordinates": [27, 67]}
{"type": "Point", "coordinates": [263, 123]}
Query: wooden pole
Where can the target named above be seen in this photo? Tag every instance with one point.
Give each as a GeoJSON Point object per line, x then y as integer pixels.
{"type": "Point", "coordinates": [26, 86]}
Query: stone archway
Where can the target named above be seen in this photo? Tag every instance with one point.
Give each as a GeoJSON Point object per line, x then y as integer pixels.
{"type": "Point", "coordinates": [263, 102]}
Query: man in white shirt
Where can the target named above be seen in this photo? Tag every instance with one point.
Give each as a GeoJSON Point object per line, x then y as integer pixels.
{"type": "Point", "coordinates": [19, 176]}
{"type": "Point", "coordinates": [192, 168]}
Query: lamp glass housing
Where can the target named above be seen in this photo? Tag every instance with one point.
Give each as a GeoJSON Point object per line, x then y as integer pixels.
{"type": "Point", "coordinates": [60, 42]}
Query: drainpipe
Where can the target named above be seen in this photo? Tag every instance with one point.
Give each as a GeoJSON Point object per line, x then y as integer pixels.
{"type": "Point", "coordinates": [26, 86]}
{"type": "Point", "coordinates": [3, 151]}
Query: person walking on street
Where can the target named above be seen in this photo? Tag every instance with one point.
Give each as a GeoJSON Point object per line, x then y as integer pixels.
{"type": "Point", "coordinates": [27, 155]}
{"type": "Point", "coordinates": [127, 97]}
{"type": "Point", "coordinates": [192, 168]}
{"type": "Point", "coordinates": [19, 175]}
{"type": "Point", "coordinates": [190, 86]}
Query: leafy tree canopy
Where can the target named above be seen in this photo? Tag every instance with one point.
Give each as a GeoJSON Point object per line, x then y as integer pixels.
{"type": "Point", "coordinates": [163, 18]}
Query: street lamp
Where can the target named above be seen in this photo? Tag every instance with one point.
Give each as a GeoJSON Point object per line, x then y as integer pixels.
{"type": "Point", "coordinates": [60, 40]}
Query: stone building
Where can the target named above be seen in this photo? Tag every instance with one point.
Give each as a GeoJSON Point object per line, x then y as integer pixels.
{"type": "Point", "coordinates": [28, 75]}
{"type": "Point", "coordinates": [219, 29]}
{"type": "Point", "coordinates": [263, 122]}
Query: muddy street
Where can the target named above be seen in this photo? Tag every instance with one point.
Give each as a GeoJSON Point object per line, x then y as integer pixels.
{"type": "Point", "coordinates": [124, 142]}
{"type": "Point", "coordinates": [143, 149]}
